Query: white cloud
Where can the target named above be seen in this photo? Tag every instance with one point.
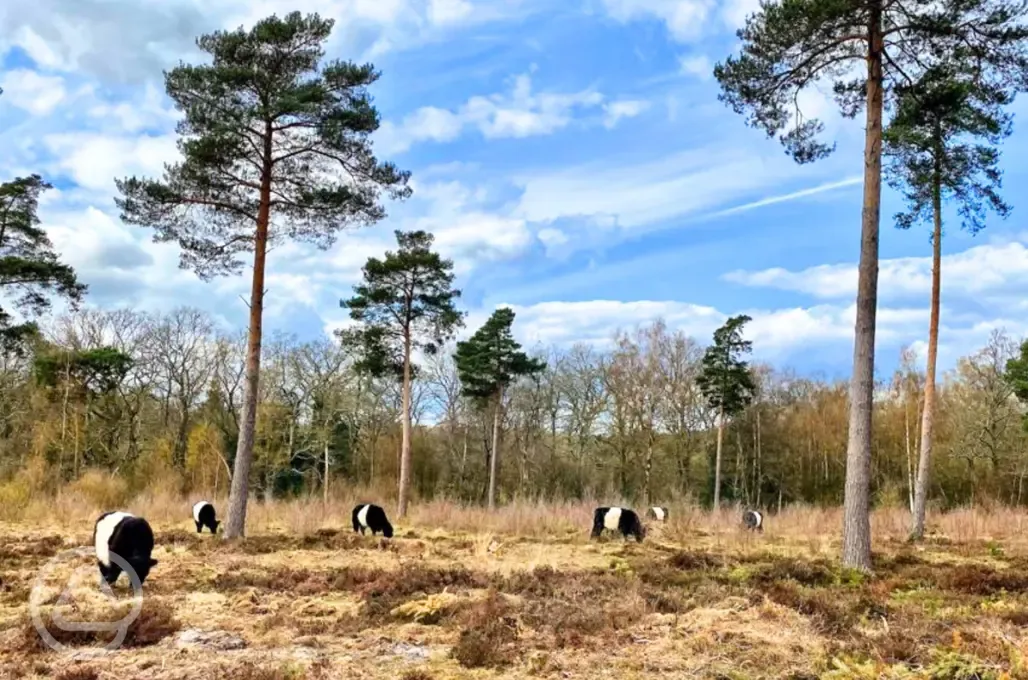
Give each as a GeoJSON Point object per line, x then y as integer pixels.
{"type": "Point", "coordinates": [685, 19]}
{"type": "Point", "coordinates": [38, 94]}
{"type": "Point", "coordinates": [781, 335]}
{"type": "Point", "coordinates": [989, 269]}
{"type": "Point", "coordinates": [476, 238]}
{"type": "Point", "coordinates": [424, 124]}
{"type": "Point", "coordinates": [553, 239]}
{"type": "Point", "coordinates": [776, 333]}
{"type": "Point", "coordinates": [442, 12]}
{"type": "Point", "coordinates": [132, 41]}
{"type": "Point", "coordinates": [735, 12]}
{"type": "Point", "coordinates": [464, 229]}
{"type": "Point", "coordinates": [152, 110]}
{"type": "Point", "coordinates": [93, 160]}
{"type": "Point", "coordinates": [698, 66]}
{"type": "Point", "coordinates": [91, 240]}
{"type": "Point", "coordinates": [625, 108]}
{"type": "Point", "coordinates": [632, 196]}
{"type": "Point", "coordinates": [519, 113]}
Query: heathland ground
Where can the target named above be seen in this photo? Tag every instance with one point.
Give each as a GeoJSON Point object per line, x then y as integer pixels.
{"type": "Point", "coordinates": [523, 593]}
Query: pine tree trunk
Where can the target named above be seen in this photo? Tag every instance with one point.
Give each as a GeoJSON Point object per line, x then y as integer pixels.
{"type": "Point", "coordinates": [928, 414]}
{"type": "Point", "coordinates": [405, 460]}
{"type": "Point", "coordinates": [496, 450]}
{"type": "Point", "coordinates": [856, 532]}
{"type": "Point", "coordinates": [236, 522]}
{"type": "Point", "coordinates": [717, 459]}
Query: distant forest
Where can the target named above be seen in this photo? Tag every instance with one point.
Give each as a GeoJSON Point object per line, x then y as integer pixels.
{"type": "Point", "coordinates": [155, 400]}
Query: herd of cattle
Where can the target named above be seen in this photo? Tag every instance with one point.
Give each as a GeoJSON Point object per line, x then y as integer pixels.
{"type": "Point", "coordinates": [123, 540]}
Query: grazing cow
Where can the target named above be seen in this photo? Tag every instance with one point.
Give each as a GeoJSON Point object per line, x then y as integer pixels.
{"type": "Point", "coordinates": [658, 513]}
{"type": "Point", "coordinates": [618, 519]}
{"type": "Point", "coordinates": [203, 515]}
{"type": "Point", "coordinates": [370, 516]}
{"type": "Point", "coordinates": [753, 520]}
{"type": "Point", "coordinates": [127, 536]}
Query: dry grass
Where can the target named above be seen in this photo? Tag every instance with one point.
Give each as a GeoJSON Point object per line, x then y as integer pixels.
{"type": "Point", "coordinates": [523, 593]}
{"type": "Point", "coordinates": [156, 621]}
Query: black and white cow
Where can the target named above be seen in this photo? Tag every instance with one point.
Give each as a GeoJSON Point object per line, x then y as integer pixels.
{"type": "Point", "coordinates": [657, 513]}
{"type": "Point", "coordinates": [127, 536]}
{"type": "Point", "coordinates": [618, 519]}
{"type": "Point", "coordinates": [753, 520]}
{"type": "Point", "coordinates": [370, 516]}
{"type": "Point", "coordinates": [204, 516]}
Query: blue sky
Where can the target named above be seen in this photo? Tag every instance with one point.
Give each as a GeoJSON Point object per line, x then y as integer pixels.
{"type": "Point", "coordinates": [571, 157]}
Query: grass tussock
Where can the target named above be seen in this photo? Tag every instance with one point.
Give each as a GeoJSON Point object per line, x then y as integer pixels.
{"type": "Point", "coordinates": [416, 674]}
{"type": "Point", "coordinates": [156, 621]}
{"type": "Point", "coordinates": [256, 671]}
{"type": "Point", "coordinates": [489, 636]}
{"type": "Point", "coordinates": [78, 673]}
{"type": "Point", "coordinates": [429, 610]}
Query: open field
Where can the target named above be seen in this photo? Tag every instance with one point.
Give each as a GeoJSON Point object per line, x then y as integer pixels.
{"type": "Point", "coordinates": [524, 593]}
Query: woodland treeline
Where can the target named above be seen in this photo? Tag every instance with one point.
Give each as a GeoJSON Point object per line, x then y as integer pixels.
{"type": "Point", "coordinates": [155, 400]}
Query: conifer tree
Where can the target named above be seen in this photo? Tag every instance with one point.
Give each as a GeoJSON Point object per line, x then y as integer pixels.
{"type": "Point", "coordinates": [942, 144]}
{"type": "Point", "coordinates": [863, 48]}
{"type": "Point", "coordinates": [487, 363]}
{"type": "Point", "coordinates": [405, 302]}
{"type": "Point", "coordinates": [726, 382]}
{"type": "Point", "coordinates": [275, 146]}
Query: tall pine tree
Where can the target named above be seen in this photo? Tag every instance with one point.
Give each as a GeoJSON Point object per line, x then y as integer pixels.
{"type": "Point", "coordinates": [405, 302]}
{"type": "Point", "coordinates": [863, 48]}
{"type": "Point", "coordinates": [487, 363]}
{"type": "Point", "coordinates": [726, 382]}
{"type": "Point", "coordinates": [943, 145]}
{"type": "Point", "coordinates": [275, 146]}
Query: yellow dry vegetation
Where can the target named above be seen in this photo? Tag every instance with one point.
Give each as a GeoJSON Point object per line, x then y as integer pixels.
{"type": "Point", "coordinates": [524, 593]}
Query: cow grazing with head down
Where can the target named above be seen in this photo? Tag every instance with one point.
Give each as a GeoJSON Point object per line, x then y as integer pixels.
{"type": "Point", "coordinates": [127, 536]}
{"type": "Point", "coordinates": [623, 520]}
{"type": "Point", "coordinates": [753, 520]}
{"type": "Point", "coordinates": [204, 516]}
{"type": "Point", "coordinates": [370, 516]}
{"type": "Point", "coordinates": [657, 513]}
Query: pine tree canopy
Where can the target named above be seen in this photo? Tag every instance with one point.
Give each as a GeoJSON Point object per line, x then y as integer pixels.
{"type": "Point", "coordinates": [408, 293]}
{"type": "Point", "coordinates": [95, 371]}
{"type": "Point", "coordinates": [725, 380]}
{"type": "Point", "coordinates": [491, 359]}
{"type": "Point", "coordinates": [30, 271]}
{"type": "Point", "coordinates": [265, 119]}
{"type": "Point", "coordinates": [790, 45]}
{"type": "Point", "coordinates": [946, 132]}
